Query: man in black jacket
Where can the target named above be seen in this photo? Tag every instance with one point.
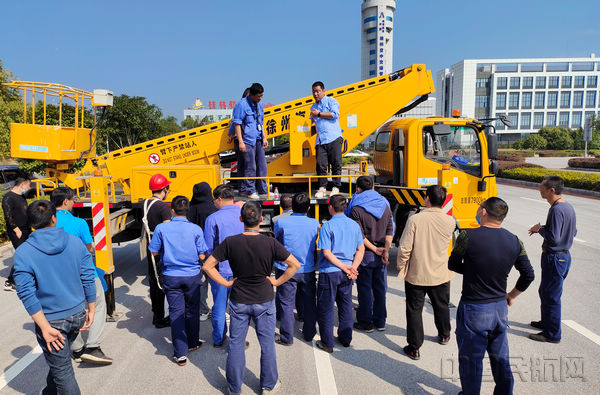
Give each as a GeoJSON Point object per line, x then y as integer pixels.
{"type": "Point", "coordinates": [14, 206]}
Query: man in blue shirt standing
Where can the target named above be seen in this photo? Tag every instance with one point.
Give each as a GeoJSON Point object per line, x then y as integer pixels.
{"type": "Point", "coordinates": [248, 119]}
{"type": "Point", "coordinates": [181, 276]}
{"type": "Point", "coordinates": [325, 113]}
{"type": "Point", "coordinates": [342, 250]}
{"type": "Point", "coordinates": [220, 225]}
{"type": "Point", "coordinates": [89, 351]}
{"type": "Point", "coordinates": [298, 234]}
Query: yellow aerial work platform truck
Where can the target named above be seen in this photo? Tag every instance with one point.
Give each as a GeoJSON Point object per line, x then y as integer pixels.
{"type": "Point", "coordinates": [409, 154]}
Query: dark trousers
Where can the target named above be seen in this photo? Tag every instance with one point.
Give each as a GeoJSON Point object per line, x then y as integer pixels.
{"type": "Point", "coordinates": [330, 154]}
{"type": "Point", "coordinates": [61, 378]}
{"type": "Point", "coordinates": [157, 296]}
{"type": "Point", "coordinates": [371, 286]}
{"type": "Point", "coordinates": [254, 165]}
{"type": "Point", "coordinates": [481, 328]}
{"type": "Point", "coordinates": [183, 295]}
{"type": "Point", "coordinates": [299, 290]}
{"type": "Point", "coordinates": [555, 268]}
{"type": "Point", "coordinates": [415, 298]}
{"type": "Point", "coordinates": [334, 287]}
{"type": "Point", "coordinates": [16, 242]}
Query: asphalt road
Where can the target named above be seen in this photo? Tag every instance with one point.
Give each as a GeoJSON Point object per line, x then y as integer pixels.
{"type": "Point", "coordinates": [374, 364]}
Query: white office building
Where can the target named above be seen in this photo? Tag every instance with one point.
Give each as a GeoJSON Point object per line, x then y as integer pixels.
{"type": "Point", "coordinates": [533, 93]}
{"type": "Point", "coordinates": [377, 37]}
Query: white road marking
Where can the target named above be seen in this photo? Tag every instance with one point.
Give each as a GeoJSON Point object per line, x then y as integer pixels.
{"type": "Point", "coordinates": [535, 200]}
{"type": "Point", "coordinates": [579, 240]}
{"type": "Point", "coordinates": [327, 385]}
{"type": "Point", "coordinates": [19, 366]}
{"type": "Point", "coordinates": [582, 330]}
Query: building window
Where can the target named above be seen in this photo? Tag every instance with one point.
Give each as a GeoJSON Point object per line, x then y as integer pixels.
{"type": "Point", "coordinates": [482, 83]}
{"type": "Point", "coordinates": [552, 99]}
{"type": "Point", "coordinates": [500, 101]}
{"type": "Point", "coordinates": [563, 119]}
{"type": "Point", "coordinates": [482, 101]}
{"type": "Point", "coordinates": [576, 120]}
{"type": "Point", "coordinates": [539, 99]}
{"type": "Point", "coordinates": [513, 100]}
{"type": "Point", "coordinates": [590, 99]}
{"type": "Point", "coordinates": [373, 61]}
{"type": "Point", "coordinates": [372, 52]}
{"type": "Point", "coordinates": [372, 72]}
{"type": "Point", "coordinates": [499, 124]}
{"type": "Point", "coordinates": [592, 81]}
{"type": "Point", "coordinates": [565, 99]}
{"type": "Point", "coordinates": [538, 120]}
{"type": "Point", "coordinates": [525, 120]}
{"type": "Point", "coordinates": [566, 81]}
{"type": "Point", "coordinates": [578, 99]}
{"type": "Point", "coordinates": [527, 82]}
{"type": "Point", "coordinates": [540, 82]}
{"type": "Point", "coordinates": [373, 41]}
{"type": "Point", "coordinates": [370, 19]}
{"type": "Point", "coordinates": [514, 118]}
{"type": "Point", "coordinates": [501, 83]}
{"type": "Point", "coordinates": [515, 82]}
{"type": "Point", "coordinates": [371, 30]}
{"type": "Point", "coordinates": [551, 119]}
{"type": "Point", "coordinates": [553, 82]}
{"type": "Point", "coordinates": [579, 81]}
{"type": "Point", "coordinates": [528, 67]}
{"type": "Point", "coordinates": [589, 114]}
{"type": "Point", "coordinates": [526, 100]}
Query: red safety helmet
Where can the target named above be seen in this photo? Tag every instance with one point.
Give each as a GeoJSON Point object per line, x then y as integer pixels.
{"type": "Point", "coordinates": [158, 182]}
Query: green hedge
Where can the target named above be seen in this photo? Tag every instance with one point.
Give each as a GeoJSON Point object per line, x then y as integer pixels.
{"type": "Point", "coordinates": [573, 179]}
{"type": "Point", "coordinates": [586, 163]}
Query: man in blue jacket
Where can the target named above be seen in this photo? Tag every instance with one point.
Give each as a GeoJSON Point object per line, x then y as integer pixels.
{"type": "Point", "coordinates": [54, 273]}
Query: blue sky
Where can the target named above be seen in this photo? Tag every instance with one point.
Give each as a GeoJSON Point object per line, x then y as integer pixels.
{"type": "Point", "coordinates": [172, 52]}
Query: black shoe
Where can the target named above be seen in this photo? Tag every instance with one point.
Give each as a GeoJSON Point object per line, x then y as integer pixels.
{"type": "Point", "coordinates": [412, 353]}
{"type": "Point", "coordinates": [537, 324]}
{"type": "Point", "coordinates": [279, 341]}
{"type": "Point", "coordinates": [343, 343]}
{"type": "Point", "coordinates": [76, 355]}
{"type": "Point", "coordinates": [539, 337]}
{"type": "Point", "coordinates": [364, 327]}
{"type": "Point", "coordinates": [323, 347]}
{"type": "Point", "coordinates": [443, 340]}
{"type": "Point", "coordinates": [95, 356]}
{"type": "Point", "coordinates": [222, 343]}
{"type": "Point", "coordinates": [164, 323]}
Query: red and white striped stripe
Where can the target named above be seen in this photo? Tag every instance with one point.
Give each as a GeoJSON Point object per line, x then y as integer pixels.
{"type": "Point", "coordinates": [234, 166]}
{"type": "Point", "coordinates": [99, 226]}
{"type": "Point", "coordinates": [447, 206]}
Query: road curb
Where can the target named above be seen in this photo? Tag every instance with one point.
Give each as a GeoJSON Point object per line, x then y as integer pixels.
{"type": "Point", "coordinates": [569, 191]}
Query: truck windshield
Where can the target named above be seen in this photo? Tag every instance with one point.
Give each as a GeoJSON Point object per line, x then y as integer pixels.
{"type": "Point", "coordinates": [460, 148]}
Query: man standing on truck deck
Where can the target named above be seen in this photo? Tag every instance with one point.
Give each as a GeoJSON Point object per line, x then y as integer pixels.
{"type": "Point", "coordinates": [342, 250]}
{"type": "Point", "coordinates": [298, 234]}
{"type": "Point", "coordinates": [236, 145]}
{"type": "Point", "coordinates": [220, 225]}
{"type": "Point", "coordinates": [325, 114]}
{"type": "Point", "coordinates": [89, 351]}
{"type": "Point", "coordinates": [251, 256]}
{"type": "Point", "coordinates": [485, 256]}
{"type": "Point", "coordinates": [14, 206]}
{"type": "Point", "coordinates": [372, 213]}
{"type": "Point", "coordinates": [558, 233]}
{"type": "Point", "coordinates": [248, 119]}
{"type": "Point", "coordinates": [181, 246]}
{"type": "Point", "coordinates": [156, 211]}
{"type": "Point", "coordinates": [423, 264]}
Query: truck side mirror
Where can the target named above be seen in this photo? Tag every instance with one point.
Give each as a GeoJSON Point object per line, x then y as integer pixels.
{"type": "Point", "coordinates": [441, 129]}
{"type": "Point", "coordinates": [492, 140]}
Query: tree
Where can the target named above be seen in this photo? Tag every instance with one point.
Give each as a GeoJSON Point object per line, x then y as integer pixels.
{"type": "Point", "coordinates": [534, 142]}
{"type": "Point", "coordinates": [577, 136]}
{"type": "Point", "coordinates": [169, 125]}
{"type": "Point", "coordinates": [130, 121]}
{"type": "Point", "coordinates": [191, 123]}
{"type": "Point", "coordinates": [11, 110]}
{"type": "Point", "coordinates": [557, 138]}
{"type": "Point", "coordinates": [518, 144]}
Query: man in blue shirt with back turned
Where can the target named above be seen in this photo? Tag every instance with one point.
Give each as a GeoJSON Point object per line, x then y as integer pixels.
{"type": "Point", "coordinates": [342, 250]}
{"type": "Point", "coordinates": [220, 225]}
{"type": "Point", "coordinates": [181, 246]}
{"type": "Point", "coordinates": [248, 119]}
{"type": "Point", "coordinates": [298, 234]}
{"type": "Point", "coordinates": [325, 113]}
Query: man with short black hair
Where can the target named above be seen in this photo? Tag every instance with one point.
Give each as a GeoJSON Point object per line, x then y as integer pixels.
{"type": "Point", "coordinates": [181, 246]}
{"type": "Point", "coordinates": [248, 118]}
{"type": "Point", "coordinates": [558, 233]}
{"type": "Point", "coordinates": [485, 256]}
{"type": "Point", "coordinates": [251, 256]}
{"type": "Point", "coordinates": [342, 250]}
{"type": "Point", "coordinates": [422, 262]}
{"type": "Point", "coordinates": [286, 207]}
{"type": "Point", "coordinates": [14, 205]}
{"type": "Point", "coordinates": [372, 212]}
{"type": "Point", "coordinates": [298, 234]}
{"type": "Point", "coordinates": [87, 351]}
{"type": "Point", "coordinates": [218, 226]}
{"type": "Point", "coordinates": [325, 113]}
{"type": "Point", "coordinates": [55, 278]}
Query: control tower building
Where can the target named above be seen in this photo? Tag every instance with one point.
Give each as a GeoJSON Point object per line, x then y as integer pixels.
{"type": "Point", "coordinates": [377, 37]}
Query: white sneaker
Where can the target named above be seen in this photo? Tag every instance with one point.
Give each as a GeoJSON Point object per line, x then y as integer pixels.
{"type": "Point", "coordinates": [275, 389]}
{"type": "Point", "coordinates": [321, 193]}
{"type": "Point", "coordinates": [254, 196]}
{"type": "Point", "coordinates": [204, 317]}
{"type": "Point", "coordinates": [334, 191]}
